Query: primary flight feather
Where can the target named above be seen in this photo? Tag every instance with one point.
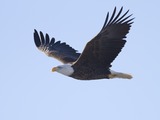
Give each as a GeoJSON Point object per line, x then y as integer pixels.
{"type": "Point", "coordinates": [98, 54]}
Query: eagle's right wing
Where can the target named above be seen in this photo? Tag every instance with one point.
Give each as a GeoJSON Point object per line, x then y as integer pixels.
{"type": "Point", "coordinates": [58, 50]}
{"type": "Point", "coordinates": [105, 47]}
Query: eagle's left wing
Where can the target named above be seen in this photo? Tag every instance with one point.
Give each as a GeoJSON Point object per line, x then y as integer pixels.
{"type": "Point", "coordinates": [58, 50]}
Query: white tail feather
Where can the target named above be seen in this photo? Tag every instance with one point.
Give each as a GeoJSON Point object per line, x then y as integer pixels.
{"type": "Point", "coordinates": [119, 75]}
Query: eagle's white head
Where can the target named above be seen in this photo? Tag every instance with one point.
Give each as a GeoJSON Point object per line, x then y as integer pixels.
{"type": "Point", "coordinates": [64, 69]}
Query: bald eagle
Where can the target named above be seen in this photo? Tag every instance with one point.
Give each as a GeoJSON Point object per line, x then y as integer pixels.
{"type": "Point", "coordinates": [95, 60]}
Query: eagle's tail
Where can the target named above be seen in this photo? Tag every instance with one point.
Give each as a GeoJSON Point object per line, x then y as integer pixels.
{"type": "Point", "coordinates": [119, 75]}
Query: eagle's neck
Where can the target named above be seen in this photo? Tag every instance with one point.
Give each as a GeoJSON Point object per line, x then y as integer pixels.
{"type": "Point", "coordinates": [65, 69]}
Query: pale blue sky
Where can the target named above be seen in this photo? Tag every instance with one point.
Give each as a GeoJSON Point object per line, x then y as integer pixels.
{"type": "Point", "coordinates": [30, 91]}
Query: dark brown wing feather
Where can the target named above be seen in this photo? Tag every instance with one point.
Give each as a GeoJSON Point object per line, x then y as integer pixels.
{"type": "Point", "coordinates": [58, 50]}
{"type": "Point", "coordinates": [104, 48]}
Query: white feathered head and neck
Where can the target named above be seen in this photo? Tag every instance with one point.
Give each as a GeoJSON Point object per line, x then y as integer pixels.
{"type": "Point", "coordinates": [64, 69]}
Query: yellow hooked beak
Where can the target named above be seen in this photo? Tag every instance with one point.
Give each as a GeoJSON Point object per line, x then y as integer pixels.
{"type": "Point", "coordinates": [54, 69]}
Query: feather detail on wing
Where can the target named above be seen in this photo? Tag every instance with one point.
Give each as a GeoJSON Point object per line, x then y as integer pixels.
{"type": "Point", "coordinates": [57, 49]}
{"type": "Point", "coordinates": [104, 47]}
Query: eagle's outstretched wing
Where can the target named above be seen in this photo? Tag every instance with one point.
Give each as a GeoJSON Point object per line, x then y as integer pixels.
{"type": "Point", "coordinates": [58, 50]}
{"type": "Point", "coordinates": [103, 49]}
